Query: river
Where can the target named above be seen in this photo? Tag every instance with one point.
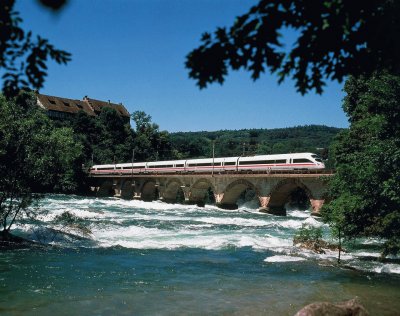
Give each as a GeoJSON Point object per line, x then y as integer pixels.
{"type": "Point", "coordinates": [152, 258]}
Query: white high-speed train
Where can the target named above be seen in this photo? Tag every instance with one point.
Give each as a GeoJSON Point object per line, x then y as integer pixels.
{"type": "Point", "coordinates": [296, 161]}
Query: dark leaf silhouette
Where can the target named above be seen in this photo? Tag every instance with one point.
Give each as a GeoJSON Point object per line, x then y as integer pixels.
{"type": "Point", "coordinates": [23, 58]}
{"type": "Point", "coordinates": [335, 39]}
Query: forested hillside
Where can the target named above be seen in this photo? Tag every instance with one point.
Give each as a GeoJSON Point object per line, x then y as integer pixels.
{"type": "Point", "coordinates": [310, 138]}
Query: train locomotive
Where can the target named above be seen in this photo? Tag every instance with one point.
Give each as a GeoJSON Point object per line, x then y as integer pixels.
{"type": "Point", "coordinates": [295, 161]}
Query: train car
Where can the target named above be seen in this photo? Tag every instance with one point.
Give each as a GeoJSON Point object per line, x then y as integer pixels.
{"type": "Point", "coordinates": [103, 169]}
{"type": "Point", "coordinates": [123, 168]}
{"type": "Point", "coordinates": [230, 163]}
{"type": "Point", "coordinates": [166, 166]}
{"type": "Point", "coordinates": [128, 168]}
{"type": "Point", "coordinates": [204, 165]}
{"type": "Point", "coordinates": [295, 161]}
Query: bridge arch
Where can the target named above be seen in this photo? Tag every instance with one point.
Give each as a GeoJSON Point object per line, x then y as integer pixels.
{"type": "Point", "coordinates": [149, 191]}
{"type": "Point", "coordinates": [234, 190]}
{"type": "Point", "coordinates": [106, 189]}
{"type": "Point", "coordinates": [171, 190]}
{"type": "Point", "coordinates": [199, 191]}
{"type": "Point", "coordinates": [127, 189]}
{"type": "Point", "coordinates": [281, 194]}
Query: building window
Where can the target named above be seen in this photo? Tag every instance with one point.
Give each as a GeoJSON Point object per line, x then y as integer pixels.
{"type": "Point", "coordinates": [52, 101]}
{"type": "Point", "coordinates": [66, 103]}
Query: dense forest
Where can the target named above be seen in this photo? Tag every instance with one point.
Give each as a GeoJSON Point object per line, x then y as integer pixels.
{"type": "Point", "coordinates": [247, 142]}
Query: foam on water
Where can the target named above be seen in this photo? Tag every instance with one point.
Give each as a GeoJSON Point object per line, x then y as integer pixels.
{"type": "Point", "coordinates": [283, 259]}
{"type": "Point", "coordinates": [388, 268]}
{"type": "Point", "coordinates": [157, 225]}
{"type": "Point", "coordinates": [300, 214]}
{"type": "Point", "coordinates": [310, 221]}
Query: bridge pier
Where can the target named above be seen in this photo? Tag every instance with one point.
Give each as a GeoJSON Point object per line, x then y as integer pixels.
{"type": "Point", "coordinates": [117, 183]}
{"type": "Point", "coordinates": [316, 205]}
{"type": "Point", "coordinates": [266, 208]}
{"type": "Point", "coordinates": [226, 206]}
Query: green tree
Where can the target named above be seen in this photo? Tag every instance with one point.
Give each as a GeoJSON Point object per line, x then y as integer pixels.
{"type": "Point", "coordinates": [334, 39]}
{"type": "Point", "coordinates": [33, 155]}
{"type": "Point", "coordinates": [88, 133]}
{"type": "Point", "coordinates": [365, 190]}
{"type": "Point", "coordinates": [149, 142]}
{"type": "Point", "coordinates": [116, 140]}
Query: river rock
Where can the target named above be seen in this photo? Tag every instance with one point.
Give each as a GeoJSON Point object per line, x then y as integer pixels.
{"type": "Point", "coordinates": [348, 308]}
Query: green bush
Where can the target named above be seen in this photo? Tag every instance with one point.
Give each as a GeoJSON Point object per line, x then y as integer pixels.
{"type": "Point", "coordinates": [308, 234]}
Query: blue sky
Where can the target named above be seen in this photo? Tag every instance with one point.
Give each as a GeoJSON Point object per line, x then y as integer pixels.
{"type": "Point", "coordinates": [133, 51]}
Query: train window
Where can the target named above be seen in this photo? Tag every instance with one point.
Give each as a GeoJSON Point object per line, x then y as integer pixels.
{"type": "Point", "coordinates": [229, 163]}
{"type": "Point", "coordinates": [317, 158]}
{"type": "Point", "coordinates": [179, 165]}
{"type": "Point", "coordinates": [280, 161]}
{"type": "Point", "coordinates": [205, 164]}
{"type": "Point", "coordinates": [300, 160]}
{"type": "Point", "coordinates": [256, 162]}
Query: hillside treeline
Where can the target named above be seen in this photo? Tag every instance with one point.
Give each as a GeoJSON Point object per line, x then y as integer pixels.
{"type": "Point", "coordinates": [247, 142]}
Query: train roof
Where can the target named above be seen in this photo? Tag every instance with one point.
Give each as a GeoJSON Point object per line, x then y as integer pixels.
{"type": "Point", "coordinates": [216, 159]}
{"type": "Point", "coordinates": [167, 162]}
{"type": "Point", "coordinates": [104, 166]}
{"type": "Point", "coordinates": [276, 156]}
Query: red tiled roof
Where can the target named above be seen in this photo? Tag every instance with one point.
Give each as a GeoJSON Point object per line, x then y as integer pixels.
{"type": "Point", "coordinates": [91, 106]}
{"type": "Point", "coordinates": [63, 104]}
{"type": "Point", "coordinates": [98, 105]}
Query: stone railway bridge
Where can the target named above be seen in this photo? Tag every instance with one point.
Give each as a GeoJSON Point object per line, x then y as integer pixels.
{"type": "Point", "coordinates": [273, 188]}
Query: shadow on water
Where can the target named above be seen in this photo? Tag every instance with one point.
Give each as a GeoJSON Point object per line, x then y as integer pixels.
{"type": "Point", "coordinates": [234, 280]}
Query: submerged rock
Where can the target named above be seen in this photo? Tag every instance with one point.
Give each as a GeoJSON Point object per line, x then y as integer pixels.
{"type": "Point", "coordinates": [318, 246]}
{"type": "Point", "coordinates": [348, 308]}
{"type": "Point", "coordinates": [10, 242]}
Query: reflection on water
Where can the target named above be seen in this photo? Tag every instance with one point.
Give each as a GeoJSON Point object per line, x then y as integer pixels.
{"type": "Point", "coordinates": [156, 258]}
